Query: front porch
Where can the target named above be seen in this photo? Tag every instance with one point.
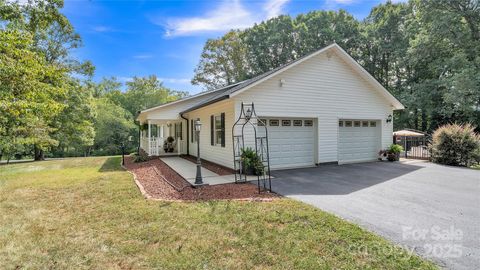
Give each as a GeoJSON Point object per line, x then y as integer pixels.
{"type": "Point", "coordinates": [163, 137]}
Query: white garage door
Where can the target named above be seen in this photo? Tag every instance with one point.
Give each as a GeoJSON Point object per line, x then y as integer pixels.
{"type": "Point", "coordinates": [291, 142]}
{"type": "Point", "coordinates": [359, 140]}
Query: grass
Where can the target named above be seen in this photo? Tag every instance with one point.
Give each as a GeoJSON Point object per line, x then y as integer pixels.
{"type": "Point", "coordinates": [86, 213]}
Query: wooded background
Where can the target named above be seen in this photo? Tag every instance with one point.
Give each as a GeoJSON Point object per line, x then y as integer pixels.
{"type": "Point", "coordinates": [426, 53]}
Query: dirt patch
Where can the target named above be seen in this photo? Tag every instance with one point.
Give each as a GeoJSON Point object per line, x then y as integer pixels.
{"type": "Point", "coordinates": [218, 169]}
{"type": "Point", "coordinates": [158, 181]}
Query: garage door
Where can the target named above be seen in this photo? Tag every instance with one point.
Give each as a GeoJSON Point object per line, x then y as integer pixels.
{"type": "Point", "coordinates": [359, 140]}
{"type": "Point", "coordinates": [291, 142]}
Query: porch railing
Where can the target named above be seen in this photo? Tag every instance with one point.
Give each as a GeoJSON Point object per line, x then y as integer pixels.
{"type": "Point", "coordinates": [155, 146]}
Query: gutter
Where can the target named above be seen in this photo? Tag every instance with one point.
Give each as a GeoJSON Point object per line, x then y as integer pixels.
{"type": "Point", "coordinates": [188, 134]}
{"type": "Point", "coordinates": [206, 104]}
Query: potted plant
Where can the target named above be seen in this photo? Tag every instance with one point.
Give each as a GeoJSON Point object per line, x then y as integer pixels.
{"type": "Point", "coordinates": [391, 154]}
{"type": "Point", "coordinates": [168, 144]}
{"type": "Point", "coordinates": [252, 164]}
{"type": "Point", "coordinates": [395, 151]}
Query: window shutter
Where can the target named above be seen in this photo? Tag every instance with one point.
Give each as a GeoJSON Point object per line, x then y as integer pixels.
{"type": "Point", "coordinates": [222, 121]}
{"type": "Point", "coordinates": [212, 130]}
{"type": "Point", "coordinates": [191, 128]}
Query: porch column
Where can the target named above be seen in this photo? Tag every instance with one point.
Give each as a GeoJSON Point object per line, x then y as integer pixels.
{"type": "Point", "coordinates": [161, 131]}
{"type": "Point", "coordinates": [149, 137]}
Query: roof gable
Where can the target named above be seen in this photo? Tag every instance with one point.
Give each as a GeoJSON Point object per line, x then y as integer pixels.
{"type": "Point", "coordinates": [248, 84]}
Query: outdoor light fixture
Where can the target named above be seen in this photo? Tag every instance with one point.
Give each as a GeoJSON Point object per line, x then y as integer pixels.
{"type": "Point", "coordinates": [389, 118]}
{"type": "Point", "coordinates": [282, 82]}
{"type": "Point", "coordinates": [198, 177]}
{"type": "Point", "coordinates": [248, 114]}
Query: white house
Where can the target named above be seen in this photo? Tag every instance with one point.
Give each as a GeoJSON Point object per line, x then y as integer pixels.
{"type": "Point", "coordinates": [321, 108]}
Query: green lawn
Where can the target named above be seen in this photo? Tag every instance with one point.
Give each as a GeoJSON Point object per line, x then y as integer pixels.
{"type": "Point", "coordinates": [86, 213]}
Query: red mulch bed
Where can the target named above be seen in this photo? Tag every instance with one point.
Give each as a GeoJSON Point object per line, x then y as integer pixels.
{"type": "Point", "coordinates": [218, 169]}
{"type": "Point", "coordinates": [171, 186]}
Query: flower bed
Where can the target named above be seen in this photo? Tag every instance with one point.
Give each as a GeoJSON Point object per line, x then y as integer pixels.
{"type": "Point", "coordinates": [158, 181]}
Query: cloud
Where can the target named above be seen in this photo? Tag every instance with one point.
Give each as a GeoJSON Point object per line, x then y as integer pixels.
{"type": "Point", "coordinates": [230, 14]}
{"type": "Point", "coordinates": [275, 7]}
{"type": "Point", "coordinates": [143, 56]}
{"type": "Point", "coordinates": [102, 29]}
{"type": "Point", "coordinates": [175, 80]}
{"type": "Point", "coordinates": [124, 79]}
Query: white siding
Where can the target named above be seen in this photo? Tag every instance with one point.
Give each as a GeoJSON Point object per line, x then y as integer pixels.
{"type": "Point", "coordinates": [216, 153]}
{"type": "Point", "coordinates": [324, 88]}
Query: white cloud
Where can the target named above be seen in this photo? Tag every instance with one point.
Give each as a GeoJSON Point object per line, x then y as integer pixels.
{"type": "Point", "coordinates": [102, 29]}
{"type": "Point", "coordinates": [143, 56]}
{"type": "Point", "coordinates": [275, 7]}
{"type": "Point", "coordinates": [230, 14]}
{"type": "Point", "coordinates": [175, 80]}
{"type": "Point", "coordinates": [124, 79]}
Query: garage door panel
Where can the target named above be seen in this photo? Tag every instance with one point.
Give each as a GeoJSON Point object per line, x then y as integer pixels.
{"type": "Point", "coordinates": [358, 143]}
{"type": "Point", "coordinates": [290, 146]}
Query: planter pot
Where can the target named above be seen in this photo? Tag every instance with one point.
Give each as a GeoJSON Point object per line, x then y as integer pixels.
{"type": "Point", "coordinates": [248, 171]}
{"type": "Point", "coordinates": [391, 157]}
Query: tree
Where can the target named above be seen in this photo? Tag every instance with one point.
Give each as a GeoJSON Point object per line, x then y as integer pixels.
{"type": "Point", "coordinates": [31, 90]}
{"type": "Point", "coordinates": [113, 125]}
{"type": "Point", "coordinates": [271, 44]}
{"type": "Point", "coordinates": [147, 92]}
{"type": "Point", "coordinates": [74, 129]}
{"type": "Point", "coordinates": [222, 62]}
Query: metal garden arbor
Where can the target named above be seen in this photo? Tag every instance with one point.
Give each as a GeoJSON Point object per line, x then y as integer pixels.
{"type": "Point", "coordinates": [251, 132]}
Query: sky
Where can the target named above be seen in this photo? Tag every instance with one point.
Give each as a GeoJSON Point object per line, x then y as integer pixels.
{"type": "Point", "coordinates": [126, 38]}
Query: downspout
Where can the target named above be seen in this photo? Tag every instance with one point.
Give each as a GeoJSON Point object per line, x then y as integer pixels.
{"type": "Point", "coordinates": [188, 134]}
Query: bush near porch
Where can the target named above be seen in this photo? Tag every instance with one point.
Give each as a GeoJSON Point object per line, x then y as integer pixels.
{"type": "Point", "coordinates": [456, 145]}
{"type": "Point", "coordinates": [87, 213]}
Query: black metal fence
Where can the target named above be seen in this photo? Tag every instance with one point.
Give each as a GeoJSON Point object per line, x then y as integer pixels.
{"type": "Point", "coordinates": [415, 147]}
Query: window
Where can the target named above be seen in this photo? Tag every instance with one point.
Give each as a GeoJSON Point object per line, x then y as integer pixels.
{"type": "Point", "coordinates": [286, 123]}
{"type": "Point", "coordinates": [274, 123]}
{"type": "Point", "coordinates": [308, 123]}
{"type": "Point", "coordinates": [373, 124]}
{"type": "Point", "coordinates": [178, 130]}
{"type": "Point", "coordinates": [340, 123]}
{"type": "Point", "coordinates": [348, 123]}
{"type": "Point", "coordinates": [364, 123]}
{"type": "Point", "coordinates": [356, 123]}
{"type": "Point", "coordinates": [261, 122]}
{"type": "Point", "coordinates": [297, 123]}
{"type": "Point", "coordinates": [218, 129]}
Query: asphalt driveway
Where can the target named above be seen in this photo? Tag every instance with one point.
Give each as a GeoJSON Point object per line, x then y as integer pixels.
{"type": "Point", "coordinates": [429, 208]}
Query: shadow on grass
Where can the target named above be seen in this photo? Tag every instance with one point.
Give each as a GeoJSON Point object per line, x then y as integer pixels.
{"type": "Point", "coordinates": [111, 164]}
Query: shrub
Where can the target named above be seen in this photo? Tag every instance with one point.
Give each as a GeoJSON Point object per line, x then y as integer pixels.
{"type": "Point", "coordinates": [395, 148]}
{"type": "Point", "coordinates": [142, 157]}
{"type": "Point", "coordinates": [455, 144]}
{"type": "Point", "coordinates": [251, 161]}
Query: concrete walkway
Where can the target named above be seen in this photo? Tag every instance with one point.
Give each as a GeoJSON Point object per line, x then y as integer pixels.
{"type": "Point", "coordinates": [188, 170]}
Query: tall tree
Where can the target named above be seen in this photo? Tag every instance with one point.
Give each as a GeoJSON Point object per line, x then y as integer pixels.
{"type": "Point", "coordinates": [222, 62]}
{"type": "Point", "coordinates": [31, 94]}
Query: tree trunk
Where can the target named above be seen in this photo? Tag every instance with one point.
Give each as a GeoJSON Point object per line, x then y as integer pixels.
{"type": "Point", "coordinates": [38, 153]}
